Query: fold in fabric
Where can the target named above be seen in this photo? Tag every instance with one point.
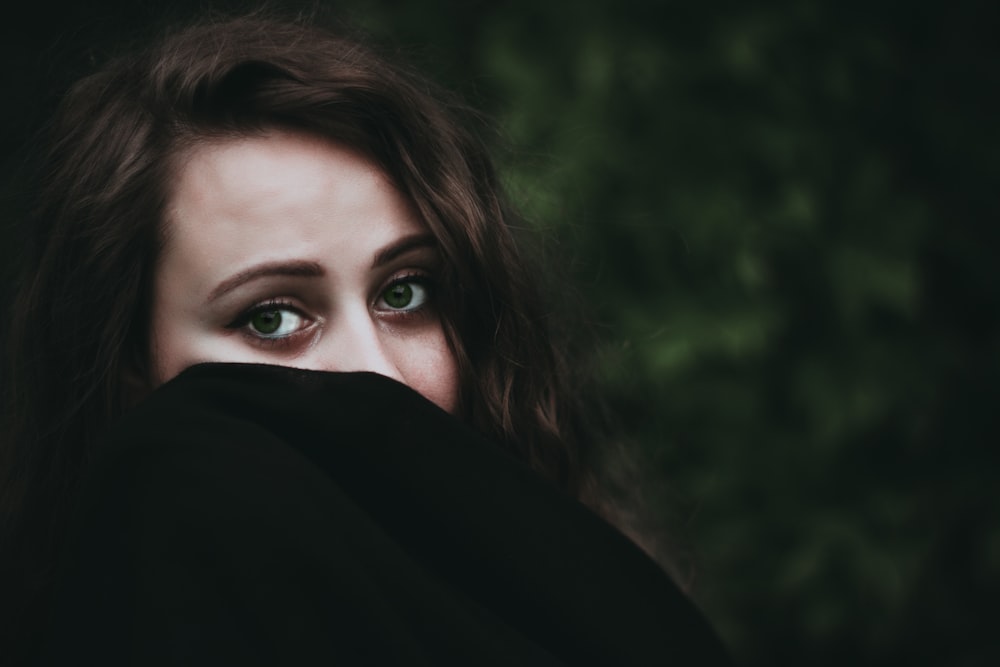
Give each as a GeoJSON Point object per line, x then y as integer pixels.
{"type": "Point", "coordinates": [260, 515]}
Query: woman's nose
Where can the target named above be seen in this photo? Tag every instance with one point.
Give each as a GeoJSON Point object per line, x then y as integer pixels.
{"type": "Point", "coordinates": [355, 343]}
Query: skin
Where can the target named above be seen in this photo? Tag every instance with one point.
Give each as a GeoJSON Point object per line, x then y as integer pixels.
{"type": "Point", "coordinates": [289, 249]}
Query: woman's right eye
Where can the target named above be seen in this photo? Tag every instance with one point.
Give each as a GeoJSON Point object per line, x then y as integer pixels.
{"type": "Point", "coordinates": [272, 321]}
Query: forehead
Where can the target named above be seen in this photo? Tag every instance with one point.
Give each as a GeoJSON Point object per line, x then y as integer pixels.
{"type": "Point", "coordinates": [277, 196]}
{"type": "Point", "coordinates": [273, 170]}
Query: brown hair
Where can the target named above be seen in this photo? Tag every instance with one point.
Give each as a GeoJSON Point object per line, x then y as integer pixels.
{"type": "Point", "coordinates": [79, 324]}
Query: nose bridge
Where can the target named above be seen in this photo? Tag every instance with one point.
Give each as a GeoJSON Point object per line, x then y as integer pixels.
{"type": "Point", "coordinates": [354, 344]}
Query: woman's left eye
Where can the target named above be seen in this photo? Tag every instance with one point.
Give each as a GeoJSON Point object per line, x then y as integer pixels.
{"type": "Point", "coordinates": [405, 294]}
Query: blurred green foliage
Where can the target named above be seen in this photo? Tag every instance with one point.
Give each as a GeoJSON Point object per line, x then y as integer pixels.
{"type": "Point", "coordinates": [785, 217]}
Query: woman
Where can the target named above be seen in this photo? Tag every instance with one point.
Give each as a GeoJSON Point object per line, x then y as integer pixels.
{"type": "Point", "coordinates": [260, 192]}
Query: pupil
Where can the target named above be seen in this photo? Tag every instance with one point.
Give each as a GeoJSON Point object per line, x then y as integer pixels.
{"type": "Point", "coordinates": [267, 322]}
{"type": "Point", "coordinates": [399, 296]}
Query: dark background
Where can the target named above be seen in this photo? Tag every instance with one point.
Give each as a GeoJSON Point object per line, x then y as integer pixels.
{"type": "Point", "coordinates": [785, 217]}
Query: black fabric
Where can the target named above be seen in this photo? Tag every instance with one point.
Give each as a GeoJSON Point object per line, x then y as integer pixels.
{"type": "Point", "coordinates": [258, 515]}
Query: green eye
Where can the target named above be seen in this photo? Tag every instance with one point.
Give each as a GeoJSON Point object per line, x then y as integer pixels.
{"type": "Point", "coordinates": [399, 295]}
{"type": "Point", "coordinates": [405, 295]}
{"type": "Point", "coordinates": [266, 321]}
{"type": "Point", "coordinates": [273, 321]}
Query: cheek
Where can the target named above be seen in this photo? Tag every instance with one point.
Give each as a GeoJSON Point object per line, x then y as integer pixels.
{"type": "Point", "coordinates": [171, 329]}
{"type": "Point", "coordinates": [164, 352]}
{"type": "Point", "coordinates": [178, 341]}
{"type": "Point", "coordinates": [432, 371]}
{"type": "Point", "coordinates": [171, 352]}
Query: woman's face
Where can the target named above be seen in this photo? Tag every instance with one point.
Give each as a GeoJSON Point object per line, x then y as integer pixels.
{"type": "Point", "coordinates": [288, 249]}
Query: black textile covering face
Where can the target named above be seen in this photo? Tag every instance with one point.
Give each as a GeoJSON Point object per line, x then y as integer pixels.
{"type": "Point", "coordinates": [259, 515]}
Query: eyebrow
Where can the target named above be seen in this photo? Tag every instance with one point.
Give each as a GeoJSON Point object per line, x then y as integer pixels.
{"type": "Point", "coordinates": [401, 247]}
{"type": "Point", "coordinates": [294, 268]}
{"type": "Point", "coordinates": [314, 269]}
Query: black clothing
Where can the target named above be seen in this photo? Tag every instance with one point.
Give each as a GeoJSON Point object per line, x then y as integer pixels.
{"type": "Point", "coordinates": [258, 515]}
